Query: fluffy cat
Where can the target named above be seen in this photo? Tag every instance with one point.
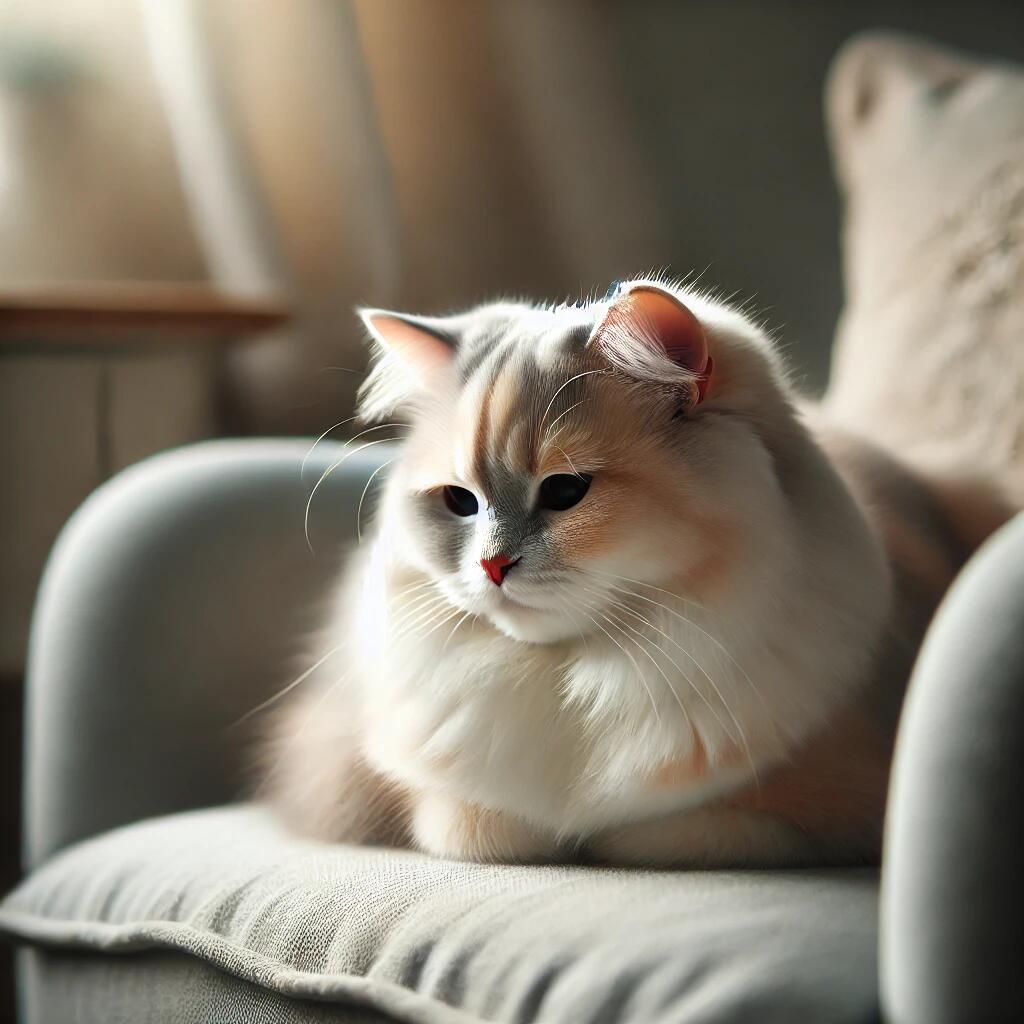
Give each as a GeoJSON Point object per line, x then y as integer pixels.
{"type": "Point", "coordinates": [623, 600]}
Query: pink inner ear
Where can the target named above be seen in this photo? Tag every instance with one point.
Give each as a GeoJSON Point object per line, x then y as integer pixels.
{"type": "Point", "coordinates": [678, 330]}
{"type": "Point", "coordinates": [414, 345]}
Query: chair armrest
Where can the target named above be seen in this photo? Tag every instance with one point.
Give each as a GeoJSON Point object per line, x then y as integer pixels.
{"type": "Point", "coordinates": [952, 890]}
{"type": "Point", "coordinates": [177, 598]}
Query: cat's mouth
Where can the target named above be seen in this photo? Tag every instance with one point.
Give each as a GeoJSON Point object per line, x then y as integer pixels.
{"type": "Point", "coordinates": [535, 602]}
{"type": "Point", "coordinates": [505, 598]}
{"type": "Point", "coordinates": [532, 618]}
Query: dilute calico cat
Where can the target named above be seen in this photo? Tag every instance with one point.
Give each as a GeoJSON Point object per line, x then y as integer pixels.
{"type": "Point", "coordinates": [623, 600]}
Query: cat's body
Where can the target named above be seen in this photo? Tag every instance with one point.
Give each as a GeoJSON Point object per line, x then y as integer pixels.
{"type": "Point", "coordinates": [697, 660]}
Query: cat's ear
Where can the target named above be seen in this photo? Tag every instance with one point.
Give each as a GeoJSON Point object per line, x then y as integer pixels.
{"type": "Point", "coordinates": [420, 342]}
{"type": "Point", "coordinates": [409, 351]}
{"type": "Point", "coordinates": [651, 335]}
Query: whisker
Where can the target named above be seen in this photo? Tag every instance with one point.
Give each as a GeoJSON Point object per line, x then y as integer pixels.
{"type": "Point", "coordinates": [454, 628]}
{"type": "Point", "coordinates": [412, 589]}
{"type": "Point", "coordinates": [643, 679]}
{"type": "Point", "coordinates": [433, 629]}
{"type": "Point", "coordinates": [742, 739]}
{"type": "Point", "coordinates": [288, 689]}
{"type": "Point", "coordinates": [409, 606]}
{"type": "Point", "coordinates": [343, 369]}
{"type": "Point", "coordinates": [658, 604]}
{"type": "Point", "coordinates": [586, 373]}
{"type": "Point", "coordinates": [564, 412]}
{"type": "Point", "coordinates": [330, 469]}
{"type": "Point", "coordinates": [650, 586]}
{"type": "Point", "coordinates": [567, 459]}
{"type": "Point", "coordinates": [406, 607]}
{"type": "Point", "coordinates": [620, 624]}
{"type": "Point", "coordinates": [426, 614]}
{"type": "Point", "coordinates": [563, 589]}
{"type": "Point", "coordinates": [305, 458]}
{"type": "Point", "coordinates": [770, 718]}
{"type": "Point", "coordinates": [362, 498]}
{"type": "Point", "coordinates": [316, 707]}
{"type": "Point", "coordinates": [725, 704]}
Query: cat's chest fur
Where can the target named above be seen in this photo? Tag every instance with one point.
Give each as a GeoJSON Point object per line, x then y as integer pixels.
{"type": "Point", "coordinates": [566, 735]}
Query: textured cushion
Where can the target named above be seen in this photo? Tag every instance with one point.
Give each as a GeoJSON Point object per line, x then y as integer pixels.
{"type": "Point", "coordinates": [61, 986]}
{"type": "Point", "coordinates": [432, 941]}
{"type": "Point", "coordinates": [929, 151]}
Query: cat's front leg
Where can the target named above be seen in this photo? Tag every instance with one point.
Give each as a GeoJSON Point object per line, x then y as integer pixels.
{"type": "Point", "coordinates": [718, 836]}
{"type": "Point", "coordinates": [448, 827]}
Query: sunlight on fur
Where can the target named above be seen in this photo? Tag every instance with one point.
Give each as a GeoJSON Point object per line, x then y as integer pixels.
{"type": "Point", "coordinates": [621, 599]}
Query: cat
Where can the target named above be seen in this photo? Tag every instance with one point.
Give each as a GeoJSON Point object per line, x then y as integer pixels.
{"type": "Point", "coordinates": [625, 600]}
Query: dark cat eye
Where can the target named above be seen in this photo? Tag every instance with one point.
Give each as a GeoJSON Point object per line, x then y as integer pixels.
{"type": "Point", "coordinates": [460, 501]}
{"type": "Point", "coordinates": [563, 490]}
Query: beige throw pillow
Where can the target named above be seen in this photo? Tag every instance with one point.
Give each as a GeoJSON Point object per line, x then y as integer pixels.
{"type": "Point", "coordinates": [929, 355]}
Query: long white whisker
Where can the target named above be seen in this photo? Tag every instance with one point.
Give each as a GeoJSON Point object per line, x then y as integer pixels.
{"type": "Point", "coordinates": [567, 459]}
{"type": "Point", "coordinates": [425, 614]}
{"type": "Point", "coordinates": [619, 624]}
{"type": "Point", "coordinates": [413, 603]}
{"type": "Point", "coordinates": [401, 610]}
{"type": "Point", "coordinates": [668, 682]}
{"type": "Point", "coordinates": [330, 469]}
{"type": "Point", "coordinates": [643, 679]}
{"type": "Point", "coordinates": [650, 586]}
{"type": "Point", "coordinates": [288, 689]}
{"type": "Point", "coordinates": [454, 628]}
{"type": "Point", "coordinates": [447, 618]}
{"type": "Point", "coordinates": [305, 458]}
{"type": "Point", "coordinates": [742, 738]}
{"type": "Point", "coordinates": [564, 412]}
{"type": "Point", "coordinates": [678, 615]}
{"type": "Point", "coordinates": [725, 704]}
{"type": "Point", "coordinates": [563, 589]}
{"type": "Point", "coordinates": [700, 629]}
{"type": "Point", "coordinates": [586, 373]}
{"type": "Point", "coordinates": [316, 707]}
{"type": "Point", "coordinates": [614, 609]}
{"type": "Point", "coordinates": [362, 498]}
{"type": "Point", "coordinates": [411, 589]}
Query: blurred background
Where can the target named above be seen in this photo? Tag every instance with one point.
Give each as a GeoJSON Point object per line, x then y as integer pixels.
{"type": "Point", "coordinates": [195, 193]}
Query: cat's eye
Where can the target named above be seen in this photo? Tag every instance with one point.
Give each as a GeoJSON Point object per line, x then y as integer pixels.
{"type": "Point", "coordinates": [563, 490]}
{"type": "Point", "coordinates": [460, 501]}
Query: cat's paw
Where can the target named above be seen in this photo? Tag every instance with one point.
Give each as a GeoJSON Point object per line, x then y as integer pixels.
{"type": "Point", "coordinates": [447, 827]}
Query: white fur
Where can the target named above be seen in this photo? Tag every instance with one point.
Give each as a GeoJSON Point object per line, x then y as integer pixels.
{"type": "Point", "coordinates": [465, 694]}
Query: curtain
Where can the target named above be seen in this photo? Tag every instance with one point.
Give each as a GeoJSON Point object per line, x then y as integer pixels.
{"type": "Point", "coordinates": [411, 154]}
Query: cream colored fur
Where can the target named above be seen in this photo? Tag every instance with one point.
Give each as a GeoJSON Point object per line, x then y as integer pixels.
{"type": "Point", "coordinates": [712, 675]}
{"type": "Point", "coordinates": [636, 706]}
{"type": "Point", "coordinates": [929, 358]}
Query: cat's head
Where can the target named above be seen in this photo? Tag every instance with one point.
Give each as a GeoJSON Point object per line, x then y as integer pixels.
{"type": "Point", "coordinates": [557, 455]}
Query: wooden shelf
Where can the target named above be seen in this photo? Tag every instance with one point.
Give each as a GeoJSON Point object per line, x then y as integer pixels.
{"type": "Point", "coordinates": [132, 313]}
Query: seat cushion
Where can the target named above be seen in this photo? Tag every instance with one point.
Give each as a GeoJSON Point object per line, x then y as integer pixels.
{"type": "Point", "coordinates": [425, 940]}
{"type": "Point", "coordinates": [60, 986]}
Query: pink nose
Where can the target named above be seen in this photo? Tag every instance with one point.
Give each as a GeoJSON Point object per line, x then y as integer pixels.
{"type": "Point", "coordinates": [497, 568]}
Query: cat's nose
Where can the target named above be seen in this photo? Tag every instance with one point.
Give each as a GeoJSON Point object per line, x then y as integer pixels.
{"type": "Point", "coordinates": [497, 567]}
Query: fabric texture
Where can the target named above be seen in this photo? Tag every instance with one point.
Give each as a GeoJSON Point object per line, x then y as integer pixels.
{"type": "Point", "coordinates": [929, 150]}
{"type": "Point", "coordinates": [63, 986]}
{"type": "Point", "coordinates": [436, 942]}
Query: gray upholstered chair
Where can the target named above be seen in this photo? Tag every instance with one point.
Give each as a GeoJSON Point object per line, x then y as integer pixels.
{"type": "Point", "coordinates": [176, 601]}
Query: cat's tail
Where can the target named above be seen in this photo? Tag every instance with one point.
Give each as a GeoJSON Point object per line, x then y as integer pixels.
{"type": "Point", "coordinates": [929, 355]}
